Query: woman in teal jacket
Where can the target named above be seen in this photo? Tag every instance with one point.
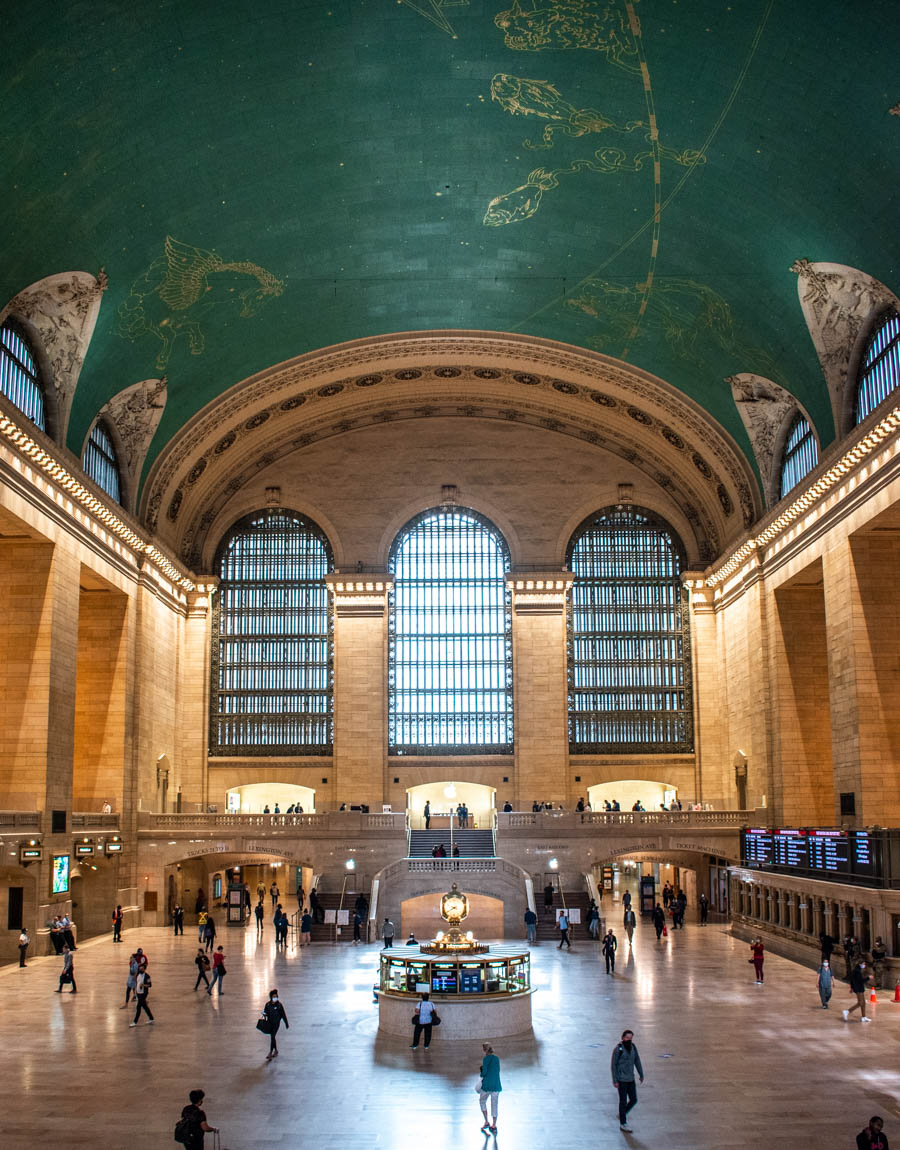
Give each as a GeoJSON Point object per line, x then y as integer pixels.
{"type": "Point", "coordinates": [490, 1086]}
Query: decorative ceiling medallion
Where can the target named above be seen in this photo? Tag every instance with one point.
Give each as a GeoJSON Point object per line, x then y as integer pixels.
{"type": "Point", "coordinates": [447, 372]}
{"type": "Point", "coordinates": [672, 438]}
{"type": "Point", "coordinates": [197, 470]}
{"type": "Point", "coordinates": [408, 373]}
{"type": "Point", "coordinates": [565, 388]}
{"type": "Point", "coordinates": [224, 443]}
{"type": "Point", "coordinates": [368, 380]}
{"type": "Point", "coordinates": [639, 416]}
{"type": "Point", "coordinates": [330, 389]}
{"type": "Point", "coordinates": [256, 420]}
{"type": "Point", "coordinates": [702, 466]}
{"type": "Point", "coordinates": [175, 505]}
{"type": "Point", "coordinates": [528, 380]}
{"type": "Point", "coordinates": [486, 373]}
{"type": "Point", "coordinates": [293, 402]}
{"type": "Point", "coordinates": [603, 400]}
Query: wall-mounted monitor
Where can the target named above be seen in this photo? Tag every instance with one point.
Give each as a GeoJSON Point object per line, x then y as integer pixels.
{"type": "Point", "coordinates": [60, 875]}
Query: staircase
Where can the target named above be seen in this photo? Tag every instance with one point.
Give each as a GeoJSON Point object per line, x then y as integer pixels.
{"type": "Point", "coordinates": [331, 900]}
{"type": "Point", "coordinates": [472, 844]}
{"type": "Point", "coordinates": [546, 923]}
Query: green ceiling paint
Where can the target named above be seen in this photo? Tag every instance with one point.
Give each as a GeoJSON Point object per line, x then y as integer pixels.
{"type": "Point", "coordinates": [636, 179]}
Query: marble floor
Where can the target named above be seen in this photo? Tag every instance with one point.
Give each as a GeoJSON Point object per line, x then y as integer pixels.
{"type": "Point", "coordinates": [727, 1063]}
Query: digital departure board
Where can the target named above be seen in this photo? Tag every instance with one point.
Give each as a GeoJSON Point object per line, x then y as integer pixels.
{"type": "Point", "coordinates": [819, 852]}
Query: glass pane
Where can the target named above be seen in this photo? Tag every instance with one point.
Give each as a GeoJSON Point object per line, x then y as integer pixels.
{"type": "Point", "coordinates": [19, 378]}
{"type": "Point", "coordinates": [801, 454]}
{"type": "Point", "coordinates": [100, 462]}
{"type": "Point", "coordinates": [880, 371]}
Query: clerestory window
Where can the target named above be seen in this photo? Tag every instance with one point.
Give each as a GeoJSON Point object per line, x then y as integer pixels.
{"type": "Point", "coordinates": [879, 372]}
{"type": "Point", "coordinates": [801, 454]}
{"type": "Point", "coordinates": [101, 463]}
{"type": "Point", "coordinates": [450, 651]}
{"type": "Point", "coordinates": [628, 639]}
{"type": "Point", "coordinates": [272, 639]}
{"type": "Point", "coordinates": [20, 380]}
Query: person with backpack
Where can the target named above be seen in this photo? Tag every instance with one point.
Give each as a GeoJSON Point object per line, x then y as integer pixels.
{"type": "Point", "coordinates": [659, 920]}
{"type": "Point", "coordinates": [134, 970]}
{"type": "Point", "coordinates": [209, 932]}
{"type": "Point", "coordinates": [201, 923]}
{"type": "Point", "coordinates": [117, 918]}
{"type": "Point", "coordinates": [563, 924]}
{"type": "Point", "coordinates": [610, 945]}
{"type": "Point", "coordinates": [219, 970]}
{"type": "Point", "coordinates": [625, 1061]}
{"type": "Point", "coordinates": [202, 964]}
{"type": "Point", "coordinates": [259, 912]}
{"type": "Point", "coordinates": [141, 993]}
{"type": "Point", "coordinates": [178, 919]}
{"type": "Point", "coordinates": [192, 1125]}
{"type": "Point", "coordinates": [630, 922]}
{"type": "Point", "coordinates": [273, 1013]}
{"type": "Point", "coordinates": [305, 928]}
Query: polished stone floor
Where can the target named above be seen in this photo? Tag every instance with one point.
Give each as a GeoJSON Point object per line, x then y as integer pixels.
{"type": "Point", "coordinates": [727, 1063]}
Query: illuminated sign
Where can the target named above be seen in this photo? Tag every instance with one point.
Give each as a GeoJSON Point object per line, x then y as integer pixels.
{"type": "Point", "coordinates": [30, 854]}
{"type": "Point", "coordinates": [113, 848]}
{"type": "Point", "coordinates": [60, 875]}
{"type": "Point", "coordinates": [82, 849]}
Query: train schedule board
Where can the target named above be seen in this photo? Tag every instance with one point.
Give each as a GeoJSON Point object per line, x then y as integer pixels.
{"type": "Point", "coordinates": [829, 851]}
{"type": "Point", "coordinates": [864, 855]}
{"type": "Point", "coordinates": [757, 848]}
{"type": "Point", "coordinates": [791, 848]}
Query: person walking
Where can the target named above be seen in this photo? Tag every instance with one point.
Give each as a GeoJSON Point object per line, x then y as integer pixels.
{"type": "Point", "coordinates": [659, 920]}
{"type": "Point", "coordinates": [625, 1061]}
{"type": "Point", "coordinates": [192, 1126]}
{"type": "Point", "coordinates": [424, 1020]}
{"type": "Point", "coordinates": [852, 951]}
{"type": "Point", "coordinates": [758, 951]}
{"type": "Point", "coordinates": [626, 900]}
{"type": "Point", "coordinates": [610, 945]}
{"type": "Point", "coordinates": [630, 923]}
{"type": "Point", "coordinates": [202, 916]}
{"type": "Point", "coordinates": [827, 943]}
{"type": "Point", "coordinates": [259, 912]}
{"type": "Point", "coordinates": [427, 813]}
{"type": "Point", "coordinates": [24, 940]}
{"type": "Point", "coordinates": [305, 928]}
{"type": "Point", "coordinates": [357, 927]}
{"type": "Point", "coordinates": [202, 964]}
{"type": "Point", "coordinates": [704, 909]}
{"type": "Point", "coordinates": [219, 971]}
{"type": "Point", "coordinates": [490, 1087]}
{"type": "Point", "coordinates": [858, 978]}
{"type": "Point", "coordinates": [594, 920]}
{"type": "Point", "coordinates": [131, 979]}
{"type": "Point", "coordinates": [548, 898]}
{"type": "Point", "coordinates": [387, 933]}
{"type": "Point", "coordinates": [824, 982]}
{"type": "Point", "coordinates": [274, 1014]}
{"type": "Point", "coordinates": [117, 918]}
{"type": "Point", "coordinates": [67, 974]}
{"type": "Point", "coordinates": [531, 925]}
{"type": "Point", "coordinates": [142, 993]}
{"type": "Point", "coordinates": [872, 1138]}
{"type": "Point", "coordinates": [209, 932]}
{"type": "Point", "coordinates": [178, 919]}
{"type": "Point", "coordinates": [563, 923]}
{"type": "Point", "coordinates": [274, 892]}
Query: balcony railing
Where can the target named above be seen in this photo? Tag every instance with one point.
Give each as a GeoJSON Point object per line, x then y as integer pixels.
{"type": "Point", "coordinates": [20, 820]}
{"type": "Point", "coordinates": [336, 821]}
{"type": "Point", "coordinates": [567, 820]}
{"type": "Point", "coordinates": [89, 820]}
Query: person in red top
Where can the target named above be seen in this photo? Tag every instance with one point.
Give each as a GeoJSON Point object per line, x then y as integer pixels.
{"type": "Point", "coordinates": [871, 1138]}
{"type": "Point", "coordinates": [758, 951]}
{"type": "Point", "coordinates": [219, 971]}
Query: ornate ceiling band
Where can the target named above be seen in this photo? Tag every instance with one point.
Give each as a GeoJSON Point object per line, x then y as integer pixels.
{"type": "Point", "coordinates": [583, 378]}
{"type": "Point", "coordinates": [705, 508]}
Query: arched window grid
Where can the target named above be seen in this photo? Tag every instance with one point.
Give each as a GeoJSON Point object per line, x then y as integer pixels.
{"type": "Point", "coordinates": [272, 646]}
{"type": "Point", "coordinates": [450, 638]}
{"type": "Point", "coordinates": [100, 462]}
{"type": "Point", "coordinates": [801, 454]}
{"type": "Point", "coordinates": [879, 374]}
{"type": "Point", "coordinates": [629, 663]}
{"type": "Point", "coordinates": [20, 379]}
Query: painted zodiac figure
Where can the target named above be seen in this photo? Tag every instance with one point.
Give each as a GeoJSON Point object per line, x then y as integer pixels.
{"type": "Point", "coordinates": [523, 202]}
{"type": "Point", "coordinates": [178, 290]}
{"type": "Point", "coordinates": [590, 24]}
{"type": "Point", "coordinates": [521, 97]}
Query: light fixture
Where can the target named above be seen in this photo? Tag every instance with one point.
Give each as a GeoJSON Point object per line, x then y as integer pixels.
{"type": "Point", "coordinates": [553, 864]}
{"type": "Point", "coordinates": [350, 864]}
{"type": "Point", "coordinates": [450, 792]}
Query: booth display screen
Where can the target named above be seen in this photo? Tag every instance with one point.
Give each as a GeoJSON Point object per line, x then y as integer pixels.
{"type": "Point", "coordinates": [443, 979]}
{"type": "Point", "coordinates": [488, 974]}
{"type": "Point", "coordinates": [470, 979]}
{"type": "Point", "coordinates": [60, 874]}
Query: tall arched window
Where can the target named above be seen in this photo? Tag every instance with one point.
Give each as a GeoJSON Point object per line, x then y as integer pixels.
{"type": "Point", "coordinates": [272, 643]}
{"type": "Point", "coordinates": [801, 454]}
{"type": "Point", "coordinates": [879, 373]}
{"type": "Point", "coordinates": [101, 463]}
{"type": "Point", "coordinates": [20, 380]}
{"type": "Point", "coordinates": [629, 651]}
{"type": "Point", "coordinates": [450, 659]}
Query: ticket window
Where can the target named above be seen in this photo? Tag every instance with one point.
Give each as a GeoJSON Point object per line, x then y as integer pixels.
{"type": "Point", "coordinates": [497, 978]}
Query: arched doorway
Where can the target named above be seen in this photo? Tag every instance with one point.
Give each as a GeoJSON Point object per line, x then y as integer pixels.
{"type": "Point", "coordinates": [253, 798]}
{"type": "Point", "coordinates": [421, 916]}
{"type": "Point", "coordinates": [649, 793]}
{"type": "Point", "coordinates": [444, 797]}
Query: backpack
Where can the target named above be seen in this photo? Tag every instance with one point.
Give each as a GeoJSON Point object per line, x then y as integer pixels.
{"type": "Point", "coordinates": [186, 1130]}
{"type": "Point", "coordinates": [147, 983]}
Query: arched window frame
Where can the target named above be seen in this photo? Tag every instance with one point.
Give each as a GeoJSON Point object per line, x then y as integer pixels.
{"type": "Point", "coordinates": [799, 453]}
{"type": "Point", "coordinates": [100, 461]}
{"type": "Point", "coordinates": [879, 365]}
{"type": "Point", "coordinates": [13, 367]}
{"type": "Point", "coordinates": [321, 725]}
{"type": "Point", "coordinates": [503, 719]}
{"type": "Point", "coordinates": [627, 730]}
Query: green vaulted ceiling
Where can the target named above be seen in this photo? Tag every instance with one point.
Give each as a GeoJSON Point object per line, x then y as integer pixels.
{"type": "Point", "coordinates": [330, 171]}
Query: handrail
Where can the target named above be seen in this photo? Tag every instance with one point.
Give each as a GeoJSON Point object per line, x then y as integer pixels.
{"type": "Point", "coordinates": [557, 820]}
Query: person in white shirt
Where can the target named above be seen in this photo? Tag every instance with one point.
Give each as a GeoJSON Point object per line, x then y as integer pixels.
{"type": "Point", "coordinates": [24, 940]}
{"type": "Point", "coordinates": [425, 1013]}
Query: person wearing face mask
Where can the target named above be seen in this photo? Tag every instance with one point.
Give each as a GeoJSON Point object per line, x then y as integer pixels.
{"type": "Point", "coordinates": [824, 982]}
{"type": "Point", "coordinates": [858, 979]}
{"type": "Point", "coordinates": [274, 1014]}
{"type": "Point", "coordinates": [625, 1061]}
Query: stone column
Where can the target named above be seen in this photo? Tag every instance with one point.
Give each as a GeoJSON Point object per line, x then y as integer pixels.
{"type": "Point", "coordinates": [540, 684]}
{"type": "Point", "coordinates": [714, 781]}
{"type": "Point", "coordinates": [191, 777]}
{"type": "Point", "coordinates": [360, 686]}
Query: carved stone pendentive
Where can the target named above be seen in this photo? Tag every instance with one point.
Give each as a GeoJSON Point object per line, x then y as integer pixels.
{"type": "Point", "coordinates": [839, 304]}
{"type": "Point", "coordinates": [765, 408]}
{"type": "Point", "coordinates": [360, 595]}
{"type": "Point", "coordinates": [61, 312]}
{"type": "Point", "coordinates": [133, 417]}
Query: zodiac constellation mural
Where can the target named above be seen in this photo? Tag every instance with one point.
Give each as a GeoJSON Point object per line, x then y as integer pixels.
{"type": "Point", "coordinates": [521, 97]}
{"type": "Point", "coordinates": [555, 24]}
{"type": "Point", "coordinates": [184, 286]}
{"type": "Point", "coordinates": [435, 11]}
{"type": "Point", "coordinates": [693, 320]}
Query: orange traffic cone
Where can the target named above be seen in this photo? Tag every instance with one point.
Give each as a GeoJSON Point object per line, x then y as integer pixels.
{"type": "Point", "coordinates": [897, 992]}
{"type": "Point", "coordinates": [873, 997]}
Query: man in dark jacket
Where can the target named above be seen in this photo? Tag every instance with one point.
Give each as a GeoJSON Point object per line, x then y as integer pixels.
{"type": "Point", "coordinates": [195, 1119]}
{"type": "Point", "coordinates": [858, 987]}
{"type": "Point", "coordinates": [659, 920]}
{"type": "Point", "coordinates": [871, 1138]}
{"type": "Point", "coordinates": [625, 1060]}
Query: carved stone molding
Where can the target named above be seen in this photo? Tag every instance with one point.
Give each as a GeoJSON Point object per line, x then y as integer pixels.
{"type": "Point", "coordinates": [358, 596]}
{"type": "Point", "coordinates": [765, 408]}
{"type": "Point", "coordinates": [839, 304]}
{"type": "Point", "coordinates": [539, 592]}
{"type": "Point", "coordinates": [61, 312]}
{"type": "Point", "coordinates": [133, 417]}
